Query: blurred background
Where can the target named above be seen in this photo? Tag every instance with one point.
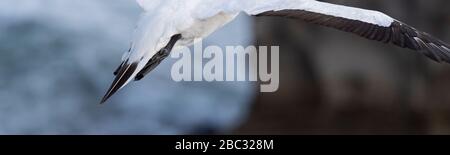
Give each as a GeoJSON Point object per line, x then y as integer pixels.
{"type": "Point", "coordinates": [57, 59]}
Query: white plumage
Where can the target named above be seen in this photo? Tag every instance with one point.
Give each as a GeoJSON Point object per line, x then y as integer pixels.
{"type": "Point", "coordinates": [168, 23]}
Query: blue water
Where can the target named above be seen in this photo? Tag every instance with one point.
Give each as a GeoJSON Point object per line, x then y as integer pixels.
{"type": "Point", "coordinates": [57, 59]}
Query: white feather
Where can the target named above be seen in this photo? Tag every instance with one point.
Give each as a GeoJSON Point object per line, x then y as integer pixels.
{"type": "Point", "coordinates": [253, 7]}
{"type": "Point", "coordinates": [198, 18]}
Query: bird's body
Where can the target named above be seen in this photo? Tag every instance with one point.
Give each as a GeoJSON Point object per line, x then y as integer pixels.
{"type": "Point", "coordinates": [166, 24]}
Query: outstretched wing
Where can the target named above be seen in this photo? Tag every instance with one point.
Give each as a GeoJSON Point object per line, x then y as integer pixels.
{"type": "Point", "coordinates": [369, 24]}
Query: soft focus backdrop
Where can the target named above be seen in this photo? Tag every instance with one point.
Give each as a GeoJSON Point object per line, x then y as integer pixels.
{"type": "Point", "coordinates": [349, 85]}
{"type": "Point", "coordinates": [57, 58]}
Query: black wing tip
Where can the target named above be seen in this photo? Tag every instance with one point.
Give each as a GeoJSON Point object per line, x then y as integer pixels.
{"type": "Point", "coordinates": [105, 98]}
{"type": "Point", "coordinates": [428, 45]}
{"type": "Point", "coordinates": [124, 73]}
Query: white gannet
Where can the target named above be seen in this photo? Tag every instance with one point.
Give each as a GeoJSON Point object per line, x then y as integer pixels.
{"type": "Point", "coordinates": [166, 24]}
